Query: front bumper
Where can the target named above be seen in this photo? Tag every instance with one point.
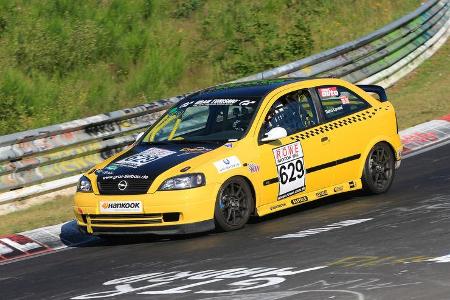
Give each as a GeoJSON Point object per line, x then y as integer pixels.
{"type": "Point", "coordinates": [159, 230]}
{"type": "Point", "coordinates": [163, 212]}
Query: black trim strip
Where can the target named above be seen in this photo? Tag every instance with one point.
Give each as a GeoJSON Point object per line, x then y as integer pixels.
{"type": "Point", "coordinates": [320, 167]}
{"type": "Point", "coordinates": [333, 163]}
{"type": "Point", "coordinates": [270, 181]}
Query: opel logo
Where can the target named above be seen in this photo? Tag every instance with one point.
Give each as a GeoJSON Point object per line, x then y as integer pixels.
{"type": "Point", "coordinates": [122, 185]}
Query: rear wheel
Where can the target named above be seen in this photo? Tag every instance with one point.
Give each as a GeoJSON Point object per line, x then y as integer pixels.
{"type": "Point", "coordinates": [234, 204]}
{"type": "Point", "coordinates": [379, 169]}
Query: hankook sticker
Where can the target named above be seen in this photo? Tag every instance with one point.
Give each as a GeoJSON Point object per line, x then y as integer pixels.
{"type": "Point", "coordinates": [121, 207]}
{"type": "Point", "coordinates": [290, 168]}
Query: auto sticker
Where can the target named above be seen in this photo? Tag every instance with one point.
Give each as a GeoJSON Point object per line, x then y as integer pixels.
{"type": "Point", "coordinates": [328, 92]}
{"type": "Point", "coordinates": [144, 157]}
{"type": "Point", "coordinates": [227, 164]}
{"type": "Point", "coordinates": [290, 169]}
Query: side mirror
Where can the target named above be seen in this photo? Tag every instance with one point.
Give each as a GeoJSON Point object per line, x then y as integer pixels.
{"type": "Point", "coordinates": [274, 134]}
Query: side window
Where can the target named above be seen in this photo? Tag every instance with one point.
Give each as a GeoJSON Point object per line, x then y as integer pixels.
{"type": "Point", "coordinates": [294, 112]}
{"type": "Point", "coordinates": [338, 101]}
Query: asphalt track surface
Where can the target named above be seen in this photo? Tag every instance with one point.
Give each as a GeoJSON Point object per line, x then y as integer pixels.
{"type": "Point", "coordinates": [397, 249]}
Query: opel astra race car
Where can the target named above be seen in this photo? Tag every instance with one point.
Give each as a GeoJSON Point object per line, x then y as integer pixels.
{"type": "Point", "coordinates": [228, 152]}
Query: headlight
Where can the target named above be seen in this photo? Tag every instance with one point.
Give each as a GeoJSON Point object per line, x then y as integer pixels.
{"type": "Point", "coordinates": [182, 182]}
{"type": "Point", "coordinates": [84, 185]}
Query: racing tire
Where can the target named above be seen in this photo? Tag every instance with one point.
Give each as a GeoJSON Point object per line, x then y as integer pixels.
{"type": "Point", "coordinates": [234, 204]}
{"type": "Point", "coordinates": [379, 169]}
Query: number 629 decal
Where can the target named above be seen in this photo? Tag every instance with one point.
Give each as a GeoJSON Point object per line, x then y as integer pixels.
{"type": "Point", "coordinates": [290, 169]}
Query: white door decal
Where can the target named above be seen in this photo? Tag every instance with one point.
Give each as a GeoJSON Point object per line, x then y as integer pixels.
{"type": "Point", "coordinates": [290, 169]}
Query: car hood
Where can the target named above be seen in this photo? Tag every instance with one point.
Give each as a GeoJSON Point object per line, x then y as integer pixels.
{"type": "Point", "coordinates": [147, 161]}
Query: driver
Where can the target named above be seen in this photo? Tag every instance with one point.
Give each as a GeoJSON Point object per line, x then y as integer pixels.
{"type": "Point", "coordinates": [284, 113]}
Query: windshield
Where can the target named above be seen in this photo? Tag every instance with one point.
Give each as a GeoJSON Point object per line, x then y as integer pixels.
{"type": "Point", "coordinates": [204, 120]}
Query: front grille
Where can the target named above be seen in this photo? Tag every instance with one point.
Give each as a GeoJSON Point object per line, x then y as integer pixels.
{"type": "Point", "coordinates": [134, 187]}
{"type": "Point", "coordinates": [130, 219]}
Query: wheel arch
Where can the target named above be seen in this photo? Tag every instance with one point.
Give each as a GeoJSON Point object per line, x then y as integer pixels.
{"type": "Point", "coordinates": [369, 147]}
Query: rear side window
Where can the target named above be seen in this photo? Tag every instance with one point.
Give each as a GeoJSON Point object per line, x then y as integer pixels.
{"type": "Point", "coordinates": [338, 101]}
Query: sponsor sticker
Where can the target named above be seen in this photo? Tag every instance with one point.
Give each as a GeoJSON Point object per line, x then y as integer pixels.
{"type": "Point", "coordinates": [194, 150]}
{"type": "Point", "coordinates": [300, 200]}
{"type": "Point", "coordinates": [121, 207]}
{"type": "Point", "coordinates": [253, 168]}
{"type": "Point", "coordinates": [278, 206]}
{"type": "Point", "coordinates": [333, 109]}
{"type": "Point", "coordinates": [145, 157]}
{"type": "Point", "coordinates": [338, 188]}
{"type": "Point", "coordinates": [246, 102]}
{"type": "Point", "coordinates": [213, 102]}
{"type": "Point", "coordinates": [322, 194]}
{"type": "Point", "coordinates": [127, 176]}
{"type": "Point", "coordinates": [227, 164]}
{"type": "Point", "coordinates": [290, 168]}
{"type": "Point", "coordinates": [103, 172]}
{"type": "Point", "coordinates": [352, 184]}
{"type": "Point", "coordinates": [112, 167]}
{"type": "Point", "coordinates": [345, 100]}
{"type": "Point", "coordinates": [328, 92]}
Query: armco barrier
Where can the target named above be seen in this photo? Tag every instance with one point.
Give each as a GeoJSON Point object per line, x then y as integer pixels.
{"type": "Point", "coordinates": [50, 158]}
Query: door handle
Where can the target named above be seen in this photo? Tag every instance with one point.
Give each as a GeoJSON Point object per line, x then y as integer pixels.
{"type": "Point", "coordinates": [324, 139]}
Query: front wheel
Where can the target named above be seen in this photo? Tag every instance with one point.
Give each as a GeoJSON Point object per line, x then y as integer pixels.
{"type": "Point", "coordinates": [234, 204]}
{"type": "Point", "coordinates": [379, 169]}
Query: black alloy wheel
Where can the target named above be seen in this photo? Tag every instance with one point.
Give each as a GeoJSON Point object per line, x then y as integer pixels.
{"type": "Point", "coordinates": [379, 169]}
{"type": "Point", "coordinates": [234, 204]}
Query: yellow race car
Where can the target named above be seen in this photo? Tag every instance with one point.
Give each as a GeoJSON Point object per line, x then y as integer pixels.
{"type": "Point", "coordinates": [235, 150]}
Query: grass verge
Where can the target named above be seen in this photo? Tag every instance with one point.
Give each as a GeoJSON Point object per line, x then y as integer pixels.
{"type": "Point", "coordinates": [49, 213]}
{"type": "Point", "coordinates": [424, 94]}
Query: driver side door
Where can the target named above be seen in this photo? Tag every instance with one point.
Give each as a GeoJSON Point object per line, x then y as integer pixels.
{"type": "Point", "coordinates": [289, 163]}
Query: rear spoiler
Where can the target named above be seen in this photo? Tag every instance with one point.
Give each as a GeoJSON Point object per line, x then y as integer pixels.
{"type": "Point", "coordinates": [376, 89]}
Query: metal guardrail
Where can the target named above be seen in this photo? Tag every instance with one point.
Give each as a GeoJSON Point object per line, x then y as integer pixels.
{"type": "Point", "coordinates": [50, 158]}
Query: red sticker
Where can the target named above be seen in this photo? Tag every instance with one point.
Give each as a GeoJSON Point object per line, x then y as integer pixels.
{"type": "Point", "coordinates": [344, 100]}
{"type": "Point", "coordinates": [328, 92]}
{"type": "Point", "coordinates": [15, 246]}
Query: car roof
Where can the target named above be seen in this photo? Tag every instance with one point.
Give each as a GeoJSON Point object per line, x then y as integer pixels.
{"type": "Point", "coordinates": [255, 88]}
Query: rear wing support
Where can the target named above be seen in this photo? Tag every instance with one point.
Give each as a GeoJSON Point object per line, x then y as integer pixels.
{"type": "Point", "coordinates": [376, 89]}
